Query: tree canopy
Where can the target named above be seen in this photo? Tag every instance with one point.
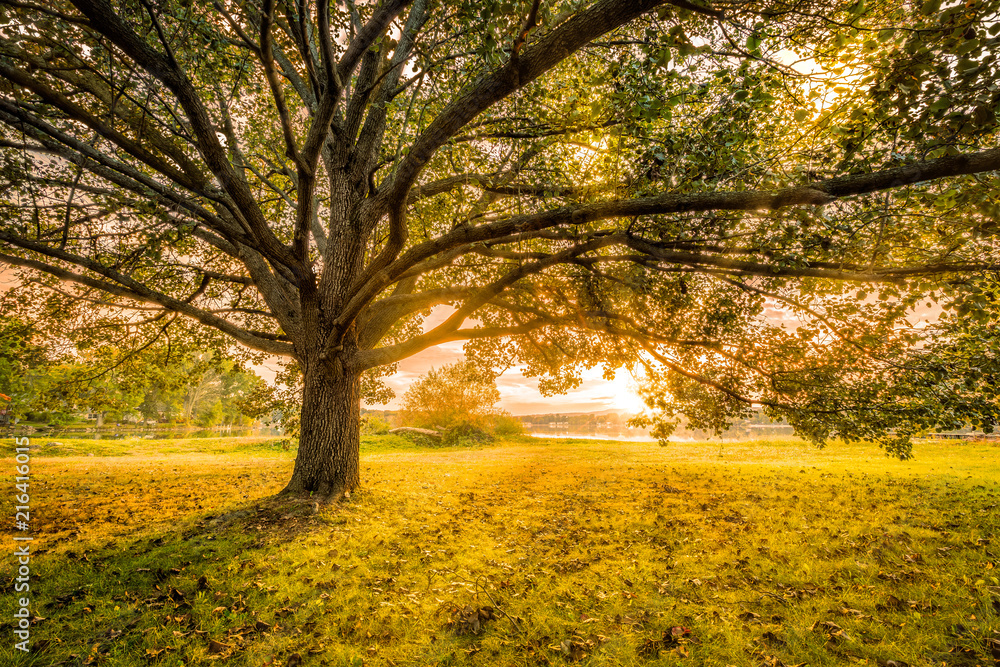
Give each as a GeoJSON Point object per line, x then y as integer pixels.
{"type": "Point", "coordinates": [616, 181]}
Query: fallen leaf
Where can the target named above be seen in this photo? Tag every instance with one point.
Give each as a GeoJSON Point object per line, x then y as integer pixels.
{"type": "Point", "coordinates": [844, 611]}
{"type": "Point", "coordinates": [573, 650]}
{"type": "Point", "coordinates": [215, 647]}
{"type": "Point", "coordinates": [833, 631]}
{"type": "Point", "coordinates": [891, 603]}
{"type": "Point", "coordinates": [772, 638]}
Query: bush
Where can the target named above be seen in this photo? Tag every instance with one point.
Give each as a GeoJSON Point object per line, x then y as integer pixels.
{"type": "Point", "coordinates": [466, 434]}
{"type": "Point", "coordinates": [456, 394]}
{"type": "Point", "coordinates": [374, 425]}
{"type": "Point", "coordinates": [506, 425]}
{"type": "Point", "coordinates": [459, 401]}
{"type": "Point", "coordinates": [421, 440]}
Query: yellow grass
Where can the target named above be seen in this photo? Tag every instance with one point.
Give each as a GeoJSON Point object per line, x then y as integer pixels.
{"type": "Point", "coordinates": [526, 553]}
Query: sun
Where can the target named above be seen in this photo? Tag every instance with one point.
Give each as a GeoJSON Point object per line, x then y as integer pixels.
{"type": "Point", "coordinates": [626, 395]}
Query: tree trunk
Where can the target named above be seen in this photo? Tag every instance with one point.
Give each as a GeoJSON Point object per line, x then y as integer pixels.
{"type": "Point", "coordinates": [326, 464]}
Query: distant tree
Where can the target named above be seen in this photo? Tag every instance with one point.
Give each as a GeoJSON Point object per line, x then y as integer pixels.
{"type": "Point", "coordinates": [458, 394]}
{"type": "Point", "coordinates": [211, 415]}
{"type": "Point", "coordinates": [54, 373]}
{"type": "Point", "coordinates": [22, 361]}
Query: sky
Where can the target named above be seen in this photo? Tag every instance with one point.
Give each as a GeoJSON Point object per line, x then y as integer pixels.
{"type": "Point", "coordinates": [519, 395]}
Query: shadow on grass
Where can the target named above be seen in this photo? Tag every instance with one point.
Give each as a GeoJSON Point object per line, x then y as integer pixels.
{"type": "Point", "coordinates": [175, 596]}
{"type": "Point", "coordinates": [537, 555]}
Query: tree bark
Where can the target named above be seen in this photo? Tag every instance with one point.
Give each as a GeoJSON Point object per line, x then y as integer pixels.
{"type": "Point", "coordinates": [326, 464]}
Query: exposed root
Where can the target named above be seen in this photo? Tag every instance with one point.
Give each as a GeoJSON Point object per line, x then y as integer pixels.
{"type": "Point", "coordinates": [323, 496]}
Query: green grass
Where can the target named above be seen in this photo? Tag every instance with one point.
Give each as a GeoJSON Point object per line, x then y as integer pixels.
{"type": "Point", "coordinates": [139, 445]}
{"type": "Point", "coordinates": [526, 553]}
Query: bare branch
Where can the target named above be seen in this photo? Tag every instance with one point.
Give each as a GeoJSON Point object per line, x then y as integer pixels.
{"type": "Point", "coordinates": [677, 368]}
{"type": "Point", "coordinates": [367, 35]}
{"type": "Point", "coordinates": [529, 22]}
{"type": "Point", "coordinates": [266, 53]}
{"type": "Point", "coordinates": [381, 356]}
{"type": "Point", "coordinates": [77, 112]}
{"type": "Point", "coordinates": [489, 184]}
{"type": "Point", "coordinates": [79, 153]}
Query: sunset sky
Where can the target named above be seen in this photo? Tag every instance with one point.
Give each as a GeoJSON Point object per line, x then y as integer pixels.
{"type": "Point", "coordinates": [519, 395]}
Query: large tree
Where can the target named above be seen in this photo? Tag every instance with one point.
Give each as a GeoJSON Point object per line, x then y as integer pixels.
{"type": "Point", "coordinates": [581, 181]}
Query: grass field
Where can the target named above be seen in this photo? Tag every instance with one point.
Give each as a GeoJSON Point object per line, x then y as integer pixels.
{"type": "Point", "coordinates": [524, 553]}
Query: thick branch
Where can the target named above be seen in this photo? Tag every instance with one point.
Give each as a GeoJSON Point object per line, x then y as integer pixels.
{"type": "Point", "coordinates": [109, 24]}
{"type": "Point", "coordinates": [367, 35]}
{"type": "Point", "coordinates": [383, 314]}
{"type": "Point", "coordinates": [520, 70]}
{"type": "Point", "coordinates": [266, 53]}
{"type": "Point", "coordinates": [382, 356]}
{"type": "Point", "coordinates": [816, 193]}
{"type": "Point", "coordinates": [490, 185]}
{"type": "Point", "coordinates": [80, 153]}
{"type": "Point", "coordinates": [76, 112]}
{"type": "Point", "coordinates": [126, 287]}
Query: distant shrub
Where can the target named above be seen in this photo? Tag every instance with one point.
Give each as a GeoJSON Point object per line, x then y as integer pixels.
{"type": "Point", "coordinates": [456, 394]}
{"type": "Point", "coordinates": [466, 434]}
{"type": "Point", "coordinates": [506, 425]}
{"type": "Point", "coordinates": [459, 401]}
{"type": "Point", "coordinates": [421, 440]}
{"type": "Point", "coordinates": [374, 425]}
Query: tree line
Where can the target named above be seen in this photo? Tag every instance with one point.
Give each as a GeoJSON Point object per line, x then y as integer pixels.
{"type": "Point", "coordinates": [60, 384]}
